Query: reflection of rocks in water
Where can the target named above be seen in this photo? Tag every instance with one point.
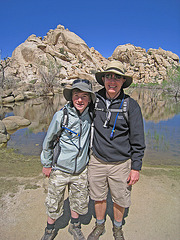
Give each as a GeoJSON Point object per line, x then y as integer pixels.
{"type": "Point", "coordinates": [155, 107]}
{"type": "Point", "coordinates": [154, 104]}
{"type": "Point", "coordinates": [5, 109]}
{"type": "Point", "coordinates": [39, 111]}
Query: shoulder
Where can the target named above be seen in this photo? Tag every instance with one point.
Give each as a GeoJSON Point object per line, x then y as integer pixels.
{"type": "Point", "coordinates": [134, 106]}
{"type": "Point", "coordinates": [59, 113]}
{"type": "Point", "coordinates": [132, 101]}
{"type": "Point", "coordinates": [101, 93]}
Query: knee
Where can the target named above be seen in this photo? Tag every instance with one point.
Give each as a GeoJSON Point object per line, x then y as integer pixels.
{"type": "Point", "coordinates": [100, 202]}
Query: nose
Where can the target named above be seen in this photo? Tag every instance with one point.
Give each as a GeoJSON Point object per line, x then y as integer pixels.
{"type": "Point", "coordinates": [112, 79]}
{"type": "Point", "coordinates": [80, 98]}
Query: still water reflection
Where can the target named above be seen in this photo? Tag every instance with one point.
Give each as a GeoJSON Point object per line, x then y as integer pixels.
{"type": "Point", "coordinates": [161, 121]}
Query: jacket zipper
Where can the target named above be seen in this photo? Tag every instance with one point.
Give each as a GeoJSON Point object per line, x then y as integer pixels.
{"type": "Point", "coordinates": [79, 145]}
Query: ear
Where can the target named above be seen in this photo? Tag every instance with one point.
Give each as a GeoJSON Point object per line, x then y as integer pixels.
{"type": "Point", "coordinates": [103, 79]}
{"type": "Point", "coordinates": [124, 79]}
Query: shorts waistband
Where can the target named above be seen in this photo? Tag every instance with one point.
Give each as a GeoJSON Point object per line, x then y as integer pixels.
{"type": "Point", "coordinates": [104, 162]}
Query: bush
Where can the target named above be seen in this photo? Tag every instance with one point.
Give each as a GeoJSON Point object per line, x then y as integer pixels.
{"type": "Point", "coordinates": [173, 80]}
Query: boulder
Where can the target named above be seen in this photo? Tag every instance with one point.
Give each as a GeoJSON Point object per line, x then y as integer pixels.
{"type": "Point", "coordinates": [19, 97]}
{"type": "Point", "coordinates": [15, 122]}
{"type": "Point", "coordinates": [9, 99]}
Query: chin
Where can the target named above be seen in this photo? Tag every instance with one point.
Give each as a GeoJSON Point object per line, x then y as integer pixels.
{"type": "Point", "coordinates": [80, 109]}
{"type": "Point", "coordinates": [111, 91]}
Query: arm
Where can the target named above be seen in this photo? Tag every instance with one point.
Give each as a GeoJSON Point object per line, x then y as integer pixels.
{"type": "Point", "coordinates": [47, 152]}
{"type": "Point", "coordinates": [136, 136]}
{"type": "Point", "coordinates": [137, 141]}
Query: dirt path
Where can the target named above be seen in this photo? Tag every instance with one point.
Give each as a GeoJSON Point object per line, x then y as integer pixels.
{"type": "Point", "coordinates": [154, 214]}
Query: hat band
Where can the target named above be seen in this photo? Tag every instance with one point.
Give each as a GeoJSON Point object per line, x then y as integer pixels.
{"type": "Point", "coordinates": [117, 69]}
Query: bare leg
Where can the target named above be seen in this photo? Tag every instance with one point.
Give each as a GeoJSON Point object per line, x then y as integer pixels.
{"type": "Point", "coordinates": [51, 220]}
{"type": "Point", "coordinates": [74, 214]}
{"type": "Point", "coordinates": [100, 209]}
{"type": "Point", "coordinates": [118, 212]}
{"type": "Point", "coordinates": [99, 229]}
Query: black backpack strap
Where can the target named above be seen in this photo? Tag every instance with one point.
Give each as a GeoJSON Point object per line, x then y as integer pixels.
{"type": "Point", "coordinates": [64, 123]}
{"type": "Point", "coordinates": [65, 118]}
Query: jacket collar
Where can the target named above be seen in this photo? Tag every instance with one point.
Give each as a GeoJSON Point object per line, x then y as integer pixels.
{"type": "Point", "coordinates": [102, 94]}
{"type": "Point", "coordinates": [74, 111]}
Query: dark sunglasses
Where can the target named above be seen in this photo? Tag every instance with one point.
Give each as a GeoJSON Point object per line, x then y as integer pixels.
{"type": "Point", "coordinates": [116, 76]}
{"type": "Point", "coordinates": [83, 81]}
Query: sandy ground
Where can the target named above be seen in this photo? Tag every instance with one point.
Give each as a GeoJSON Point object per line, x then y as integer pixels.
{"type": "Point", "coordinates": [153, 215]}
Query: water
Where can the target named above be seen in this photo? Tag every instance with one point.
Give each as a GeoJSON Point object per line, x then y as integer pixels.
{"type": "Point", "coordinates": [161, 123]}
{"type": "Point", "coordinates": [163, 141]}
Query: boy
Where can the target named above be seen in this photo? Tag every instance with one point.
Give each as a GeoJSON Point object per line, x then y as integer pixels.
{"type": "Point", "coordinates": [70, 169]}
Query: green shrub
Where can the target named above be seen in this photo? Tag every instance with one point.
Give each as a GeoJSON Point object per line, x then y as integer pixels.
{"type": "Point", "coordinates": [33, 81]}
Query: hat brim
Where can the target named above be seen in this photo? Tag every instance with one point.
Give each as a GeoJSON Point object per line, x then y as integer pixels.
{"type": "Point", "coordinates": [67, 92]}
{"type": "Point", "coordinates": [126, 84]}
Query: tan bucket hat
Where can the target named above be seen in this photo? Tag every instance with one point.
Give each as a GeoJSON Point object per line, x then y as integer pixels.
{"type": "Point", "coordinates": [81, 84]}
{"type": "Point", "coordinates": [114, 67]}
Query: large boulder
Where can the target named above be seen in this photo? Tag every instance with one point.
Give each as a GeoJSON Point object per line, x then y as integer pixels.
{"type": "Point", "coordinates": [15, 122]}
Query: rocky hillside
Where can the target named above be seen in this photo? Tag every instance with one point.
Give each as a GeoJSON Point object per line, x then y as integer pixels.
{"type": "Point", "coordinates": [68, 51]}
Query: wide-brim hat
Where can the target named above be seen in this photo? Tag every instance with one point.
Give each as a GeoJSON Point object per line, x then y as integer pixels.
{"type": "Point", "coordinates": [81, 84]}
{"type": "Point", "coordinates": [115, 67]}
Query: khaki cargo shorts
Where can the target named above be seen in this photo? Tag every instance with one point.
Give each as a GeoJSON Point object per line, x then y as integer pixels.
{"type": "Point", "coordinates": [77, 190]}
{"type": "Point", "coordinates": [103, 176]}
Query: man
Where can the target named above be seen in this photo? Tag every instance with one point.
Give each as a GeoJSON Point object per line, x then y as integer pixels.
{"type": "Point", "coordinates": [117, 150]}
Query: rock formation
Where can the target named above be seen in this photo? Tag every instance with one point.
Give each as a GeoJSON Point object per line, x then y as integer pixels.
{"type": "Point", "coordinates": [76, 60]}
{"type": "Point", "coordinates": [150, 66]}
{"type": "Point", "coordinates": [63, 48]}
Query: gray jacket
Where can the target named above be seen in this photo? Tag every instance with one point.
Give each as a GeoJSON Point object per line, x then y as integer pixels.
{"type": "Point", "coordinates": [74, 154]}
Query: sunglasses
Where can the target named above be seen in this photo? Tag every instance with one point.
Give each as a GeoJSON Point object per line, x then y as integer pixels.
{"type": "Point", "coordinates": [82, 81]}
{"type": "Point", "coordinates": [115, 76]}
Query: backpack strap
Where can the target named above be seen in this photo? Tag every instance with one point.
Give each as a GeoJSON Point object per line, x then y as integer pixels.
{"type": "Point", "coordinates": [123, 110]}
{"type": "Point", "coordinates": [64, 123]}
{"type": "Point", "coordinates": [92, 124]}
{"type": "Point", "coordinates": [65, 118]}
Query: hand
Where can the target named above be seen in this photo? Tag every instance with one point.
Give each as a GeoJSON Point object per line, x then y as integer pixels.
{"type": "Point", "coordinates": [133, 177]}
{"type": "Point", "coordinates": [46, 171]}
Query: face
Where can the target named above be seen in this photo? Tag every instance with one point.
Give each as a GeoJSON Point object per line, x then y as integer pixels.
{"type": "Point", "coordinates": [113, 84]}
{"type": "Point", "coordinates": [80, 99]}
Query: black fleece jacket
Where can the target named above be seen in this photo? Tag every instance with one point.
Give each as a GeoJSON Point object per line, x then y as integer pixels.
{"type": "Point", "coordinates": [128, 141]}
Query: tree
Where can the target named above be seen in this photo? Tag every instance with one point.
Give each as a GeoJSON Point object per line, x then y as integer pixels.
{"type": "Point", "coordinates": [48, 72]}
{"type": "Point", "coordinates": [3, 65]}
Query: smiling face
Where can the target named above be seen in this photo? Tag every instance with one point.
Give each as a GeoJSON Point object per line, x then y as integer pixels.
{"type": "Point", "coordinates": [113, 84]}
{"type": "Point", "coordinates": [80, 99]}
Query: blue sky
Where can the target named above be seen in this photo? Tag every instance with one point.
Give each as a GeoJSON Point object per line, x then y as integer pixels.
{"type": "Point", "coordinates": [101, 24]}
